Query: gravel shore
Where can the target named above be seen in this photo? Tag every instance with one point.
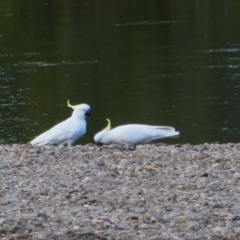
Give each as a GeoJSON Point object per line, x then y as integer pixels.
{"type": "Point", "coordinates": [85, 192]}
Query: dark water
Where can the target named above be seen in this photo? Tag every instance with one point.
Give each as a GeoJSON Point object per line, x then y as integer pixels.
{"type": "Point", "coordinates": [156, 62]}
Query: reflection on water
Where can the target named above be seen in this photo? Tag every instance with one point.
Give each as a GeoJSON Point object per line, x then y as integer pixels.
{"type": "Point", "coordinates": [155, 62]}
{"type": "Point", "coordinates": [44, 64]}
{"type": "Point", "coordinates": [145, 23]}
{"type": "Point", "coordinates": [223, 50]}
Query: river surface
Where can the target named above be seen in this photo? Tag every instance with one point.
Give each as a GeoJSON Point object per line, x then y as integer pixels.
{"type": "Point", "coordinates": [165, 62]}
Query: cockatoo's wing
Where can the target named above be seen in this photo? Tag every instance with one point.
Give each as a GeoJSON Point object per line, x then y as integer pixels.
{"type": "Point", "coordinates": [67, 131]}
{"type": "Point", "coordinates": [139, 133]}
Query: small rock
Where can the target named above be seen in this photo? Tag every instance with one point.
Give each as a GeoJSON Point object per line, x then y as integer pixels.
{"type": "Point", "coordinates": [181, 219]}
{"type": "Point", "coordinates": [166, 235]}
{"type": "Point", "coordinates": [42, 215]}
{"type": "Point", "coordinates": [218, 230]}
{"type": "Point", "coordinates": [237, 230]}
{"type": "Point", "coordinates": [193, 226]}
{"type": "Point", "coordinates": [143, 226]}
{"type": "Point", "coordinates": [42, 236]}
{"type": "Point", "coordinates": [236, 175]}
{"type": "Point", "coordinates": [68, 196]}
{"type": "Point", "coordinates": [138, 210]}
{"type": "Point", "coordinates": [175, 152]}
{"type": "Point", "coordinates": [204, 174]}
{"type": "Point", "coordinates": [233, 170]}
{"type": "Point", "coordinates": [76, 228]}
{"type": "Point", "coordinates": [100, 162]}
{"type": "Point", "coordinates": [160, 218]}
{"type": "Point", "coordinates": [217, 166]}
{"type": "Point", "coordinates": [236, 218]}
{"type": "Point", "coordinates": [22, 236]}
{"type": "Point", "coordinates": [218, 205]}
{"type": "Point", "coordinates": [134, 218]}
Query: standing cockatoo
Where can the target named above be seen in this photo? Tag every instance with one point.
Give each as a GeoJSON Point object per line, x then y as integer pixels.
{"type": "Point", "coordinates": [132, 134]}
{"type": "Point", "coordinates": [68, 131]}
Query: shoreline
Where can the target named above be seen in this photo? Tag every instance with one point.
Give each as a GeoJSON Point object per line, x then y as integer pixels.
{"type": "Point", "coordinates": [158, 191]}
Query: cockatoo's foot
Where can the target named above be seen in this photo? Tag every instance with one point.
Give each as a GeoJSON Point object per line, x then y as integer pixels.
{"type": "Point", "coordinates": [131, 147]}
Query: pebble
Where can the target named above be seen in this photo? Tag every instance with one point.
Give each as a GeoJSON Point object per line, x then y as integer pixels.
{"type": "Point", "coordinates": [236, 175]}
{"type": "Point", "coordinates": [217, 166]}
{"type": "Point", "coordinates": [181, 219]}
{"type": "Point", "coordinates": [42, 237]}
{"type": "Point", "coordinates": [155, 192]}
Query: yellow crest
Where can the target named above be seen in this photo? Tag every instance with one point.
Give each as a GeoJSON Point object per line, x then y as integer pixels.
{"type": "Point", "coordinates": [108, 126]}
{"type": "Point", "coordinates": [69, 105]}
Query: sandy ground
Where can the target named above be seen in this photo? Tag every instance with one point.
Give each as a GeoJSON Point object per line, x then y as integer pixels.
{"type": "Point", "coordinates": [85, 192]}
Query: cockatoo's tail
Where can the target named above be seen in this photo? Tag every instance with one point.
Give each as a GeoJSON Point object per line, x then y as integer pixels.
{"type": "Point", "coordinates": [132, 134]}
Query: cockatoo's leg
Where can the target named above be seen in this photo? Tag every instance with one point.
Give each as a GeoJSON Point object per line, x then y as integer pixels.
{"type": "Point", "coordinates": [131, 146]}
{"type": "Point", "coordinates": [69, 143]}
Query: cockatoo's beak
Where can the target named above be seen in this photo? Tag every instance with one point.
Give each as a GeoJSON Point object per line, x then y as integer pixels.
{"type": "Point", "coordinates": [99, 144]}
{"type": "Point", "coordinates": [88, 113]}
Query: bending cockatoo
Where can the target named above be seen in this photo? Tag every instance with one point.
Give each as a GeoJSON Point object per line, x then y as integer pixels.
{"type": "Point", "coordinates": [68, 131]}
{"type": "Point", "coordinates": [132, 134]}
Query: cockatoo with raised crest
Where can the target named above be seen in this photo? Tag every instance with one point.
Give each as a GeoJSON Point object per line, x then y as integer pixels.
{"type": "Point", "coordinates": [68, 131]}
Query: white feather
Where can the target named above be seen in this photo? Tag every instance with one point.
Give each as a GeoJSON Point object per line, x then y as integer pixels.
{"type": "Point", "coordinates": [66, 132]}
{"type": "Point", "coordinates": [133, 134]}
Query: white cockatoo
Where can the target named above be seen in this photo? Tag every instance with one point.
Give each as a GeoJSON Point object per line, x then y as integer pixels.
{"type": "Point", "coordinates": [132, 134]}
{"type": "Point", "coordinates": [68, 131]}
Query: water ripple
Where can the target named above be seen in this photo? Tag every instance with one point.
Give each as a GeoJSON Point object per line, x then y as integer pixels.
{"type": "Point", "coordinates": [145, 23]}
{"type": "Point", "coordinates": [223, 50]}
{"type": "Point", "coordinates": [45, 64]}
{"type": "Point", "coordinates": [224, 66]}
